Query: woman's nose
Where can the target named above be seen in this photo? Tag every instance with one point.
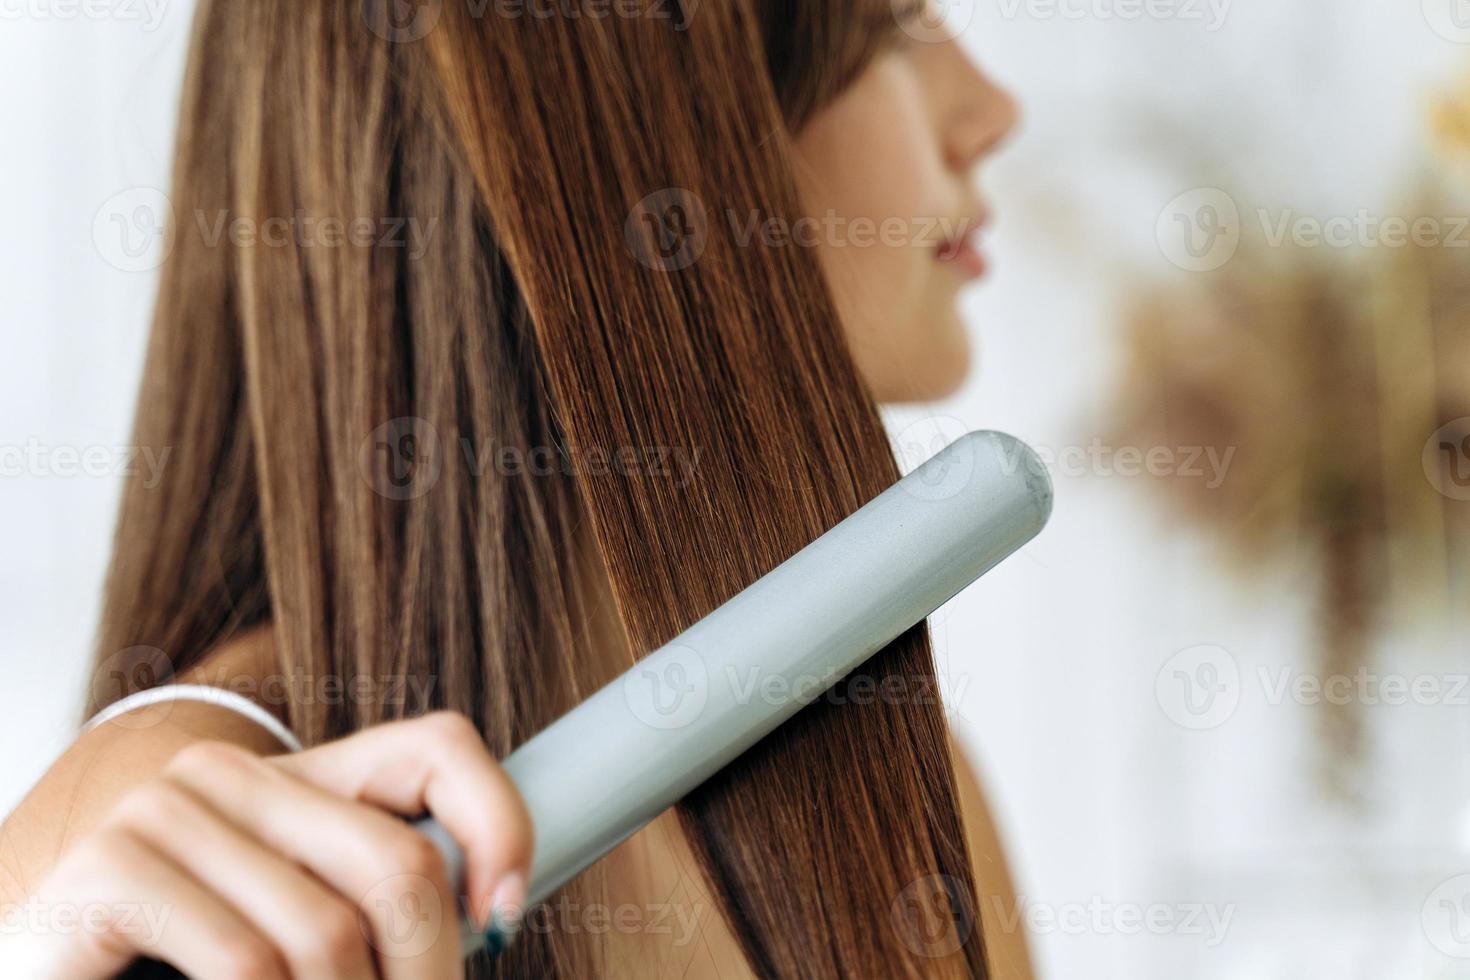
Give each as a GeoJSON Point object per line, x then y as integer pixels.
{"type": "Point", "coordinates": [982, 115]}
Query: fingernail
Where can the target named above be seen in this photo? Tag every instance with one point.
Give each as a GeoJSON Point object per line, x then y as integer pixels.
{"type": "Point", "coordinates": [507, 909]}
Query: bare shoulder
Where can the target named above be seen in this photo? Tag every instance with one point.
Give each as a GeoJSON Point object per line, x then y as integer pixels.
{"type": "Point", "coordinates": [1005, 941]}
{"type": "Point", "coordinates": [103, 764]}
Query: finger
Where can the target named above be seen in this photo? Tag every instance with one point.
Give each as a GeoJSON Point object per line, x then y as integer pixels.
{"type": "Point", "coordinates": [394, 876]}
{"type": "Point", "coordinates": [437, 764]}
{"type": "Point", "coordinates": [141, 903]}
{"type": "Point", "coordinates": [315, 929]}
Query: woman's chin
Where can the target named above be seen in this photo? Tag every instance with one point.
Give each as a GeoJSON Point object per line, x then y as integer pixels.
{"type": "Point", "coordinates": [940, 373]}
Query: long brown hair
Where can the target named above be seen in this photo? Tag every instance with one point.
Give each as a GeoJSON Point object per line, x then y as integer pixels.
{"type": "Point", "coordinates": [397, 450]}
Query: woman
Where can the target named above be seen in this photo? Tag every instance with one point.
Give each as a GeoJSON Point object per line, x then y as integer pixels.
{"type": "Point", "coordinates": [421, 499]}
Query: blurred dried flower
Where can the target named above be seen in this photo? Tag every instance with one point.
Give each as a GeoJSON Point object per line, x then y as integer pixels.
{"type": "Point", "coordinates": [1331, 373]}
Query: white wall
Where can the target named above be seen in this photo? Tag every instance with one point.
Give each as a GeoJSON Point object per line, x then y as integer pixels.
{"type": "Point", "coordinates": [87, 107]}
{"type": "Point", "coordinates": [1055, 658]}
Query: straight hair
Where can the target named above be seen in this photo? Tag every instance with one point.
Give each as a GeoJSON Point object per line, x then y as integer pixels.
{"type": "Point", "coordinates": [404, 457]}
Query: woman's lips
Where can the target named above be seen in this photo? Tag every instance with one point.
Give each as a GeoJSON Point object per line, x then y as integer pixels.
{"type": "Point", "coordinates": [964, 255]}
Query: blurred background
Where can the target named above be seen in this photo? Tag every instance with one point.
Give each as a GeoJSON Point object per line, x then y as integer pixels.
{"type": "Point", "coordinates": [1222, 703]}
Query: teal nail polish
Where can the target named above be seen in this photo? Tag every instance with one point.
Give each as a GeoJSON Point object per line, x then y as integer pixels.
{"type": "Point", "coordinates": [499, 934]}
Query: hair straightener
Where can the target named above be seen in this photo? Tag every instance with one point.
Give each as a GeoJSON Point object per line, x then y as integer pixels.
{"type": "Point", "coordinates": [636, 747]}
